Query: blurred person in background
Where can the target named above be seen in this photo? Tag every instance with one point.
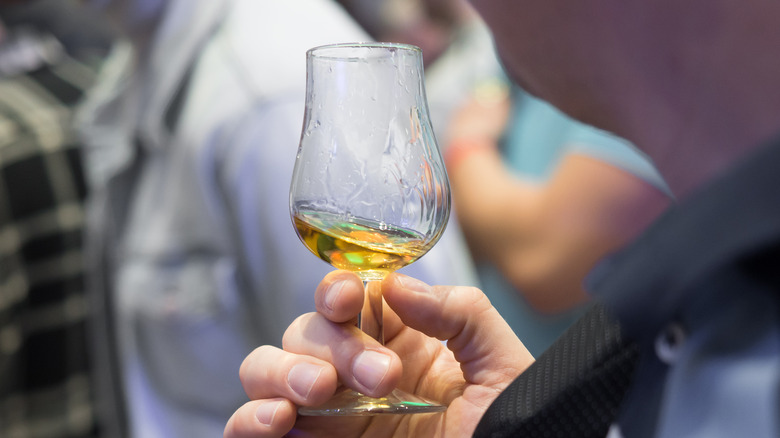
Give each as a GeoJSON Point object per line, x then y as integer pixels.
{"type": "Point", "coordinates": [451, 36]}
{"type": "Point", "coordinates": [191, 138]}
{"type": "Point", "coordinates": [539, 196]}
{"type": "Point", "coordinates": [406, 22]}
{"type": "Point", "coordinates": [50, 51]}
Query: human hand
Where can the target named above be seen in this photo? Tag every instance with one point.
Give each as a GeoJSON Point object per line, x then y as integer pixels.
{"type": "Point", "coordinates": [481, 357]}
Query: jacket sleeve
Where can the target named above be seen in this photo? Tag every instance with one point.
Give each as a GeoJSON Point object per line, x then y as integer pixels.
{"type": "Point", "coordinates": [574, 389]}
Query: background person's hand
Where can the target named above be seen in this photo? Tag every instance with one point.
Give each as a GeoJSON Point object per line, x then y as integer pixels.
{"type": "Point", "coordinates": [481, 357]}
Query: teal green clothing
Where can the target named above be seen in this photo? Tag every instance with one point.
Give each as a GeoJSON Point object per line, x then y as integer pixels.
{"type": "Point", "coordinates": [537, 331]}
{"type": "Point", "coordinates": [538, 136]}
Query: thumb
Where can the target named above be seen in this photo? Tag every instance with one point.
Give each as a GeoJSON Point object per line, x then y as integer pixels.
{"type": "Point", "coordinates": [482, 342]}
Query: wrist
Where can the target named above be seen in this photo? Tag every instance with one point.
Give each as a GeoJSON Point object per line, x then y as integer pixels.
{"type": "Point", "coordinates": [460, 150]}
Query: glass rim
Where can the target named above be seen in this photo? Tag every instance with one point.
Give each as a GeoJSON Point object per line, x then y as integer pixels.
{"type": "Point", "coordinates": [363, 45]}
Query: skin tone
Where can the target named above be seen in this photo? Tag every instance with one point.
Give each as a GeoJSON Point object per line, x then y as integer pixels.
{"type": "Point", "coordinates": [691, 83]}
{"type": "Point", "coordinates": [544, 237]}
{"type": "Point", "coordinates": [480, 358]}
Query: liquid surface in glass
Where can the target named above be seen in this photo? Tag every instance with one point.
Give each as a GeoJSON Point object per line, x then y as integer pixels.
{"type": "Point", "coordinates": [368, 248]}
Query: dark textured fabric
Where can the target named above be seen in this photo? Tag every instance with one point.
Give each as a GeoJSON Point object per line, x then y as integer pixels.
{"type": "Point", "coordinates": [572, 390]}
{"type": "Point", "coordinates": [698, 294]}
{"type": "Point", "coordinates": [706, 270]}
{"type": "Point", "coordinates": [45, 387]}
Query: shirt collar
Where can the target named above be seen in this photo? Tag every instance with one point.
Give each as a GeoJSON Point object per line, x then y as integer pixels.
{"type": "Point", "coordinates": [736, 215]}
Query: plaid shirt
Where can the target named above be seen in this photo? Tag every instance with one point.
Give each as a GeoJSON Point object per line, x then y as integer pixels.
{"type": "Point", "coordinates": [45, 388]}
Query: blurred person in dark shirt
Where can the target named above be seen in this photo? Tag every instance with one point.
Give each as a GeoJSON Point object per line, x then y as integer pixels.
{"type": "Point", "coordinates": [50, 51]}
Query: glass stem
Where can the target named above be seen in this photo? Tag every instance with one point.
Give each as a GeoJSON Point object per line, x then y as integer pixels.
{"type": "Point", "coordinates": [370, 317]}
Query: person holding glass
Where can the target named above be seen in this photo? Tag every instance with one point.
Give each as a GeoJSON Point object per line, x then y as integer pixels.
{"type": "Point", "coordinates": [541, 198]}
{"type": "Point", "coordinates": [369, 191]}
{"type": "Point", "coordinates": [685, 338]}
{"type": "Point", "coordinates": [191, 136]}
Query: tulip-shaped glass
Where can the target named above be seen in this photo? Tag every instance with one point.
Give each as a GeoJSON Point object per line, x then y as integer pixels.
{"type": "Point", "coordinates": [369, 191]}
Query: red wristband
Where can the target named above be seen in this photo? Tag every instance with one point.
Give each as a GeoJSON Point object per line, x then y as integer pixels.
{"type": "Point", "coordinates": [459, 150]}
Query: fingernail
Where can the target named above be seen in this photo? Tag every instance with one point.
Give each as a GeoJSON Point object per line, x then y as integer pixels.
{"type": "Point", "coordinates": [266, 412]}
{"type": "Point", "coordinates": [333, 293]}
{"type": "Point", "coordinates": [414, 284]}
{"type": "Point", "coordinates": [370, 367]}
{"type": "Point", "coordinates": [302, 377]}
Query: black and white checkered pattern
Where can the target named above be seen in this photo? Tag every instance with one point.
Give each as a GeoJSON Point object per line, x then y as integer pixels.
{"type": "Point", "coordinates": [45, 388]}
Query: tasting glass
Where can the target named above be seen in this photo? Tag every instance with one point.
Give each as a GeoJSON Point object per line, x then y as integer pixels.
{"type": "Point", "coordinates": [369, 191]}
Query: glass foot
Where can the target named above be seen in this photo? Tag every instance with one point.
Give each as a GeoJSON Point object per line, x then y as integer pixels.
{"type": "Point", "coordinates": [351, 403]}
